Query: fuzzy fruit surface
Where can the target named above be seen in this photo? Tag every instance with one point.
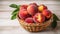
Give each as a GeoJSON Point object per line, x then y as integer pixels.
{"type": "Point", "coordinates": [42, 7]}
{"type": "Point", "coordinates": [47, 13]}
{"type": "Point", "coordinates": [33, 4]}
{"type": "Point", "coordinates": [29, 20]}
{"type": "Point", "coordinates": [23, 14]}
{"type": "Point", "coordinates": [39, 18]}
{"type": "Point", "coordinates": [23, 7]}
{"type": "Point", "coordinates": [32, 9]}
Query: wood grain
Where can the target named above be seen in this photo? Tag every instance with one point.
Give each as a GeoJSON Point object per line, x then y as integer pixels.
{"type": "Point", "coordinates": [8, 26]}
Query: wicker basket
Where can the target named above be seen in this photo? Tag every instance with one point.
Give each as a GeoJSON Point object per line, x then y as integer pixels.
{"type": "Point", "coordinates": [35, 27]}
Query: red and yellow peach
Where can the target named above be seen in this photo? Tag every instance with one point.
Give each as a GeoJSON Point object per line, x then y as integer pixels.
{"type": "Point", "coordinates": [33, 4]}
{"type": "Point", "coordinates": [29, 20]}
{"type": "Point", "coordinates": [32, 9]}
{"type": "Point", "coordinates": [39, 18]}
{"type": "Point", "coordinates": [42, 7]}
{"type": "Point", "coordinates": [23, 14]}
{"type": "Point", "coordinates": [47, 13]}
{"type": "Point", "coordinates": [23, 7]}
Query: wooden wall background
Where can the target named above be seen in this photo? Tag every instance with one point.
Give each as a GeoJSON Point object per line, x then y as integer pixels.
{"type": "Point", "coordinates": [5, 13]}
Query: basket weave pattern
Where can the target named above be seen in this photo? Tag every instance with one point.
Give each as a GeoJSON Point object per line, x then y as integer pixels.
{"type": "Point", "coordinates": [35, 27]}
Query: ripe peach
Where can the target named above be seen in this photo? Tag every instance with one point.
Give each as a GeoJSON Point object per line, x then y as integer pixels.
{"type": "Point", "coordinates": [39, 18]}
{"type": "Point", "coordinates": [47, 13]}
{"type": "Point", "coordinates": [29, 20]}
{"type": "Point", "coordinates": [23, 7]}
{"type": "Point", "coordinates": [32, 9]}
{"type": "Point", "coordinates": [33, 4]}
{"type": "Point", "coordinates": [23, 14]}
{"type": "Point", "coordinates": [42, 7]}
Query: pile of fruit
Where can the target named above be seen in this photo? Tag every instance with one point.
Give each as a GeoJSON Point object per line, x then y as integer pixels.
{"type": "Point", "coordinates": [34, 13]}
{"type": "Point", "coordinates": [34, 17]}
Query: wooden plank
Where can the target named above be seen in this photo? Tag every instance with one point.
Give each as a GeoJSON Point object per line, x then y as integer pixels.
{"type": "Point", "coordinates": [7, 14]}
{"type": "Point", "coordinates": [52, 5]}
{"type": "Point", "coordinates": [20, 30]}
{"type": "Point", "coordinates": [9, 22]}
{"type": "Point", "coordinates": [4, 8]}
{"type": "Point", "coordinates": [27, 2]}
{"type": "Point", "coordinates": [8, 26]}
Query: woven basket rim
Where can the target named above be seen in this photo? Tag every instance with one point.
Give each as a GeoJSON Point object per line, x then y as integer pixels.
{"type": "Point", "coordinates": [22, 22]}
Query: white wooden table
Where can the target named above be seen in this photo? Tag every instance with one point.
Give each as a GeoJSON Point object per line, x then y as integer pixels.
{"type": "Point", "coordinates": [8, 26]}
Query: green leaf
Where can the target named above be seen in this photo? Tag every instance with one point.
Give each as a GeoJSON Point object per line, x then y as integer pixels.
{"type": "Point", "coordinates": [14, 6]}
{"type": "Point", "coordinates": [15, 11]}
{"type": "Point", "coordinates": [55, 17]}
{"type": "Point", "coordinates": [54, 24]}
{"type": "Point", "coordinates": [19, 6]}
{"type": "Point", "coordinates": [13, 17]}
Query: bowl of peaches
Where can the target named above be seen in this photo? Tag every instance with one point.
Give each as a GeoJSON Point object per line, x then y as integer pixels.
{"type": "Point", "coordinates": [34, 17]}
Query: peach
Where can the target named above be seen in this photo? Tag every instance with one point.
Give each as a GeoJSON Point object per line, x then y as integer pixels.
{"type": "Point", "coordinates": [42, 7]}
{"type": "Point", "coordinates": [29, 20]}
{"type": "Point", "coordinates": [32, 9]}
{"type": "Point", "coordinates": [39, 18]}
{"type": "Point", "coordinates": [33, 4]}
{"type": "Point", "coordinates": [47, 13]}
{"type": "Point", "coordinates": [23, 14]}
{"type": "Point", "coordinates": [23, 7]}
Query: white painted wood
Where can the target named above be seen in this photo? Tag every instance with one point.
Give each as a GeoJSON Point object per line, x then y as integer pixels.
{"type": "Point", "coordinates": [20, 30]}
{"type": "Point", "coordinates": [5, 10]}
{"type": "Point", "coordinates": [39, 2]}
{"type": "Point", "coordinates": [50, 7]}
{"type": "Point", "coordinates": [9, 22]}
{"type": "Point", "coordinates": [8, 26]}
{"type": "Point", "coordinates": [7, 14]}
